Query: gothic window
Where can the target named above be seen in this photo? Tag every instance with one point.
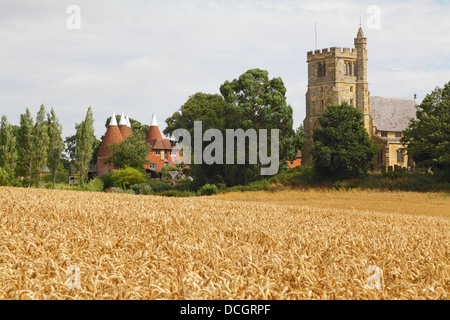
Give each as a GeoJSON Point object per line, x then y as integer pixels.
{"type": "Point", "coordinates": [319, 70]}
{"type": "Point", "coordinates": [380, 156]}
{"type": "Point", "coordinates": [324, 70]}
{"type": "Point", "coordinates": [349, 68]}
{"type": "Point", "coordinates": [400, 156]}
{"type": "Point", "coordinates": [351, 89]}
{"type": "Point", "coordinates": [321, 105]}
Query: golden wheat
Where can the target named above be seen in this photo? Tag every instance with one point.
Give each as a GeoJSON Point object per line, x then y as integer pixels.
{"type": "Point", "coordinates": [146, 247]}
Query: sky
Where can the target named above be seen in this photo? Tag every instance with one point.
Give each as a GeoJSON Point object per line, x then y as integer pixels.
{"type": "Point", "coordinates": [143, 57]}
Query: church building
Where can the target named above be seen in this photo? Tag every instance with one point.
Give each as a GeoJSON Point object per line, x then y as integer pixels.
{"type": "Point", "coordinates": [336, 75]}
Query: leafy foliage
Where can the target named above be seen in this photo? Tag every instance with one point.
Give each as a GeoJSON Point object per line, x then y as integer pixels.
{"type": "Point", "coordinates": [342, 148]}
{"type": "Point", "coordinates": [208, 190]}
{"type": "Point", "coordinates": [56, 145]}
{"type": "Point", "coordinates": [8, 152]}
{"type": "Point", "coordinates": [131, 152]}
{"type": "Point", "coordinates": [84, 148]}
{"type": "Point", "coordinates": [128, 176]}
{"type": "Point", "coordinates": [427, 139]}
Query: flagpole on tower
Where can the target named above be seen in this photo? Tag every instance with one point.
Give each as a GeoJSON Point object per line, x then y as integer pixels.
{"type": "Point", "coordinates": [315, 31]}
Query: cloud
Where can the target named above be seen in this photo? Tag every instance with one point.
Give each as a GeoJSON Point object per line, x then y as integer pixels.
{"type": "Point", "coordinates": [145, 57]}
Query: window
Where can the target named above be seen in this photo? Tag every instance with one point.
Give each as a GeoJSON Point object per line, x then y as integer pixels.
{"type": "Point", "coordinates": [398, 134]}
{"type": "Point", "coordinates": [158, 152]}
{"type": "Point", "coordinates": [319, 70]}
{"type": "Point", "coordinates": [166, 164]}
{"type": "Point", "coordinates": [380, 156]}
{"type": "Point", "coordinates": [153, 166]}
{"type": "Point", "coordinates": [400, 155]}
{"type": "Point", "coordinates": [166, 155]}
{"type": "Point", "coordinates": [352, 102]}
{"type": "Point", "coordinates": [324, 70]}
{"type": "Point", "coordinates": [384, 134]}
{"type": "Point", "coordinates": [351, 89]}
{"type": "Point", "coordinates": [321, 105]}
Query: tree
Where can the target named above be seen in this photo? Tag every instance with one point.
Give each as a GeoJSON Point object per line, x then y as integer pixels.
{"type": "Point", "coordinates": [131, 152]}
{"type": "Point", "coordinates": [56, 144]}
{"type": "Point", "coordinates": [84, 145]}
{"type": "Point", "coordinates": [342, 148]}
{"type": "Point", "coordinates": [40, 145]}
{"type": "Point", "coordinates": [251, 102]}
{"type": "Point", "coordinates": [211, 110]}
{"type": "Point", "coordinates": [256, 102]}
{"type": "Point", "coordinates": [8, 152]}
{"type": "Point", "coordinates": [128, 176]}
{"type": "Point", "coordinates": [427, 139]}
{"type": "Point", "coordinates": [26, 148]}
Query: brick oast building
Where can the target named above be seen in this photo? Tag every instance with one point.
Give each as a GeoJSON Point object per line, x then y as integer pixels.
{"type": "Point", "coordinates": [336, 75]}
{"type": "Point", "coordinates": [161, 154]}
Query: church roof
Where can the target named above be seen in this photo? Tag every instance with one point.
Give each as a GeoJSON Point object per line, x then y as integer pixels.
{"type": "Point", "coordinates": [392, 114]}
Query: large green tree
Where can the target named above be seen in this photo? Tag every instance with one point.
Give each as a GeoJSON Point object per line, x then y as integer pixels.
{"type": "Point", "coordinates": [8, 152]}
{"type": "Point", "coordinates": [84, 148]}
{"type": "Point", "coordinates": [40, 145]}
{"type": "Point", "coordinates": [342, 147]}
{"type": "Point", "coordinates": [427, 139]}
{"type": "Point", "coordinates": [26, 146]}
{"type": "Point", "coordinates": [131, 152]}
{"type": "Point", "coordinates": [253, 101]}
{"type": "Point", "coordinates": [56, 144]}
{"type": "Point", "coordinates": [211, 109]}
{"type": "Point", "coordinates": [257, 102]}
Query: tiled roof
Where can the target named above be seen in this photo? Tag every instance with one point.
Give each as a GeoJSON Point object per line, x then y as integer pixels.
{"type": "Point", "coordinates": [392, 114]}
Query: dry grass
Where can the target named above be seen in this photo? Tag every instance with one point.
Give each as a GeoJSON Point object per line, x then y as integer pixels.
{"type": "Point", "coordinates": [430, 204]}
{"type": "Point", "coordinates": [143, 247]}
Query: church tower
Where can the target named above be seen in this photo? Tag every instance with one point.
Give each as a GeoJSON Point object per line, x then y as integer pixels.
{"type": "Point", "coordinates": [335, 75]}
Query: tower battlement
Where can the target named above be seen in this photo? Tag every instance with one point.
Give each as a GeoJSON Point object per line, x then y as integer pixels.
{"type": "Point", "coordinates": [331, 52]}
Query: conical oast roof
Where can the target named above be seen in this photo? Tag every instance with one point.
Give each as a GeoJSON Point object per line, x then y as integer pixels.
{"type": "Point", "coordinates": [153, 132]}
{"type": "Point", "coordinates": [129, 126]}
{"type": "Point", "coordinates": [112, 135]}
{"type": "Point", "coordinates": [123, 127]}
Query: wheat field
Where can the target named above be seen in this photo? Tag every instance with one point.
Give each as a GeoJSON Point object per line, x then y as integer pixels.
{"type": "Point", "coordinates": [148, 247]}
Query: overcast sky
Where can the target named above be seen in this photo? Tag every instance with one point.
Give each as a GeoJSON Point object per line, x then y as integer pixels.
{"type": "Point", "coordinates": [144, 57]}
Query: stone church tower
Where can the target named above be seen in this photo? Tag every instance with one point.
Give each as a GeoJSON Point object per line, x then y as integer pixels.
{"type": "Point", "coordinates": [336, 75]}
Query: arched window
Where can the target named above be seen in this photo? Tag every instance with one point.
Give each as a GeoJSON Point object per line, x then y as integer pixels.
{"type": "Point", "coordinates": [350, 69]}
{"type": "Point", "coordinates": [400, 156]}
{"type": "Point", "coordinates": [324, 69]}
{"type": "Point", "coordinates": [319, 70]}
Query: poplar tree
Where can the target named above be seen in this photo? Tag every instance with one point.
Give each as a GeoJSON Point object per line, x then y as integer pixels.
{"type": "Point", "coordinates": [25, 139]}
{"type": "Point", "coordinates": [8, 152]}
{"type": "Point", "coordinates": [84, 145]}
{"type": "Point", "coordinates": [40, 145]}
{"type": "Point", "coordinates": [56, 144]}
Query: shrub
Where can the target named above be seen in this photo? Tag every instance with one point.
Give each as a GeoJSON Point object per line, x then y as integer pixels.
{"type": "Point", "coordinates": [208, 189]}
{"type": "Point", "coordinates": [142, 188]}
{"type": "Point", "coordinates": [108, 180]}
{"type": "Point", "coordinates": [128, 176]}
{"type": "Point", "coordinates": [158, 186]}
{"type": "Point", "coordinates": [4, 181]}
{"type": "Point", "coordinates": [176, 193]}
